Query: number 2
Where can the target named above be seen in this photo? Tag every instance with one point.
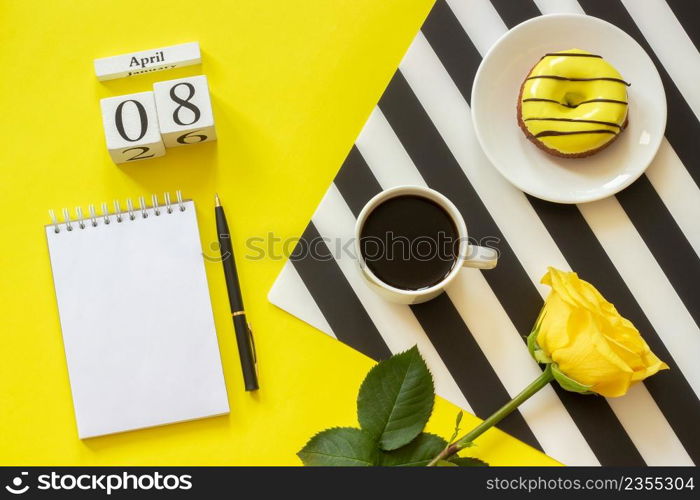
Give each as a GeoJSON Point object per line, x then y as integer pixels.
{"type": "Point", "coordinates": [140, 155]}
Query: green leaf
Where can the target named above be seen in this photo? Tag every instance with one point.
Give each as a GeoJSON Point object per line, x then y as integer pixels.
{"type": "Point", "coordinates": [468, 462]}
{"type": "Point", "coordinates": [340, 447]}
{"type": "Point", "coordinates": [568, 383]}
{"type": "Point", "coordinates": [417, 453]}
{"type": "Point", "coordinates": [396, 399]}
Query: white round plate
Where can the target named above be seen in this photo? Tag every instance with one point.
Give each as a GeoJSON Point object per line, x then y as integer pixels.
{"type": "Point", "coordinates": [562, 180]}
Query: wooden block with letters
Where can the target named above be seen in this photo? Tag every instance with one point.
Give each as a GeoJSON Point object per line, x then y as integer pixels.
{"type": "Point", "coordinates": [147, 61]}
{"type": "Point", "coordinates": [131, 127]}
{"type": "Point", "coordinates": [184, 111]}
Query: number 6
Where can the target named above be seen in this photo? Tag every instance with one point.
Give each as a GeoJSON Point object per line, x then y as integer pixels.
{"type": "Point", "coordinates": [190, 135]}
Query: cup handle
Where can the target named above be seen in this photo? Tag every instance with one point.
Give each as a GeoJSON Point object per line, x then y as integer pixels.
{"type": "Point", "coordinates": [480, 257]}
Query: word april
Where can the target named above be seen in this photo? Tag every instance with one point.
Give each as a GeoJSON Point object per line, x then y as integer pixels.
{"type": "Point", "coordinates": [147, 60]}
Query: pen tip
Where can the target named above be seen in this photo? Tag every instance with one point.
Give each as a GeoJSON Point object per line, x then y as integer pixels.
{"type": "Point", "coordinates": [216, 200]}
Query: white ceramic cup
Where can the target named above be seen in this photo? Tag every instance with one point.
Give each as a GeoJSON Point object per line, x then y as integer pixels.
{"type": "Point", "coordinates": [468, 255]}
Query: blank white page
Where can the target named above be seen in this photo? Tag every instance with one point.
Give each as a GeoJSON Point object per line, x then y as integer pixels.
{"type": "Point", "coordinates": [137, 322]}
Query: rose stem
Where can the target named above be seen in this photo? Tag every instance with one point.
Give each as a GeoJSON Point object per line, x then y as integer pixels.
{"type": "Point", "coordinates": [499, 415]}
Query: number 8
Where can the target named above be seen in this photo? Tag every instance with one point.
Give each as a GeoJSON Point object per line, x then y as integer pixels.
{"type": "Point", "coordinates": [184, 103]}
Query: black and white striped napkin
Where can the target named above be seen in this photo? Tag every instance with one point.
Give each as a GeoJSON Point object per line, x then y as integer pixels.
{"type": "Point", "coordinates": [640, 248]}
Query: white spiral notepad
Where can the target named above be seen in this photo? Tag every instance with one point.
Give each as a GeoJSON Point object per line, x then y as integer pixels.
{"type": "Point", "coordinates": [136, 317]}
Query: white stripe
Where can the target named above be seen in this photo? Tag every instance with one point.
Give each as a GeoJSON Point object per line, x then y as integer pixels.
{"type": "Point", "coordinates": [647, 282]}
{"type": "Point", "coordinates": [648, 429]}
{"type": "Point", "coordinates": [527, 236]}
{"type": "Point", "coordinates": [678, 191]}
{"type": "Point", "coordinates": [559, 7]}
{"type": "Point", "coordinates": [671, 44]}
{"type": "Point", "coordinates": [290, 293]}
{"type": "Point", "coordinates": [382, 150]}
{"type": "Point", "coordinates": [396, 323]}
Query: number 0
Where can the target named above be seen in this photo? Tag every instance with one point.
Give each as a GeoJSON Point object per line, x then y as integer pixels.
{"type": "Point", "coordinates": [119, 120]}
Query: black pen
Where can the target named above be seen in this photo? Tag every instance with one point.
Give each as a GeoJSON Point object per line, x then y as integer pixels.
{"type": "Point", "coordinates": [244, 336]}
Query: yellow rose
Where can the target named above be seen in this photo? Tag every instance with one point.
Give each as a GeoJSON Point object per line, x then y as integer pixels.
{"type": "Point", "coordinates": [591, 347]}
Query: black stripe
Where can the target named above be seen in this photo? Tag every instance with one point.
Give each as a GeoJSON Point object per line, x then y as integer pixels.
{"type": "Point", "coordinates": [514, 13]}
{"type": "Point", "coordinates": [468, 364]}
{"type": "Point", "coordinates": [665, 240]}
{"type": "Point", "coordinates": [508, 280]}
{"type": "Point", "coordinates": [670, 401]}
{"type": "Point", "coordinates": [356, 182]}
{"type": "Point", "coordinates": [682, 128]}
{"type": "Point", "coordinates": [688, 12]}
{"type": "Point", "coordinates": [441, 321]}
{"type": "Point", "coordinates": [334, 296]}
{"type": "Point", "coordinates": [446, 36]}
{"type": "Point", "coordinates": [671, 391]}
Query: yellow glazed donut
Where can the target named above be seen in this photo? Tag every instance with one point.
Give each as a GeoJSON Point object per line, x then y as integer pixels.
{"type": "Point", "coordinates": [573, 103]}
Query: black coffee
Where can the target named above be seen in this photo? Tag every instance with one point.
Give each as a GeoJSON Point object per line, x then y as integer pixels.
{"type": "Point", "coordinates": [409, 242]}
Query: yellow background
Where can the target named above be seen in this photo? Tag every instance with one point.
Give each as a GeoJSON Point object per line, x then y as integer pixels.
{"type": "Point", "coordinates": [292, 82]}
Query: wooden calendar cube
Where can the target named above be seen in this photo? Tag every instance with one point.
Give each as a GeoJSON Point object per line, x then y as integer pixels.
{"type": "Point", "coordinates": [184, 111]}
{"type": "Point", "coordinates": [131, 127]}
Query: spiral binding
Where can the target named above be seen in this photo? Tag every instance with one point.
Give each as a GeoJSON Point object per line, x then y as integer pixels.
{"type": "Point", "coordinates": [118, 215]}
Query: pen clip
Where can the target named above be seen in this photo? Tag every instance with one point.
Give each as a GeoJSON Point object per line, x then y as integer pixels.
{"type": "Point", "coordinates": [252, 344]}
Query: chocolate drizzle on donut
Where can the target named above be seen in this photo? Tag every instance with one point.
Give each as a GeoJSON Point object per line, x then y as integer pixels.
{"type": "Point", "coordinates": [551, 133]}
{"type": "Point", "coordinates": [569, 54]}
{"type": "Point", "coordinates": [542, 99]}
{"type": "Point", "coordinates": [599, 122]}
{"type": "Point", "coordinates": [557, 77]}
